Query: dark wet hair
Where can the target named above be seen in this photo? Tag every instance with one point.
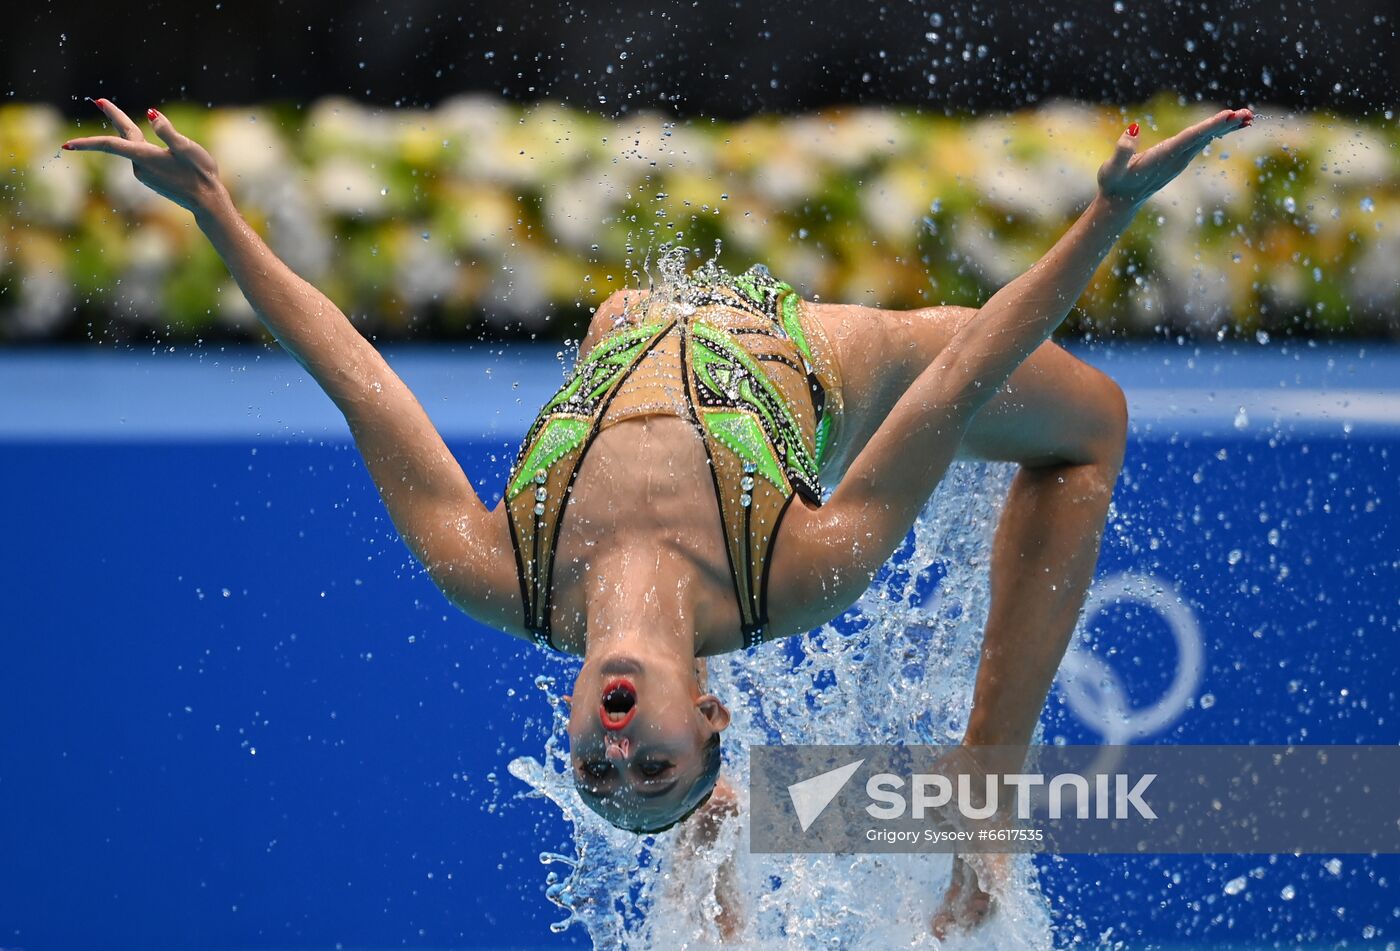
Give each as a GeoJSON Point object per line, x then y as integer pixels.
{"type": "Point", "coordinates": [708, 777]}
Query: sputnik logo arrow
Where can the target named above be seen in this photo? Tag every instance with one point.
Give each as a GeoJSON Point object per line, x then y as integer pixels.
{"type": "Point", "coordinates": [811, 796]}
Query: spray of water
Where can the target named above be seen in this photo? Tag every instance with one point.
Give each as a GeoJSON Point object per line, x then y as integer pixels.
{"type": "Point", "coordinates": [896, 668]}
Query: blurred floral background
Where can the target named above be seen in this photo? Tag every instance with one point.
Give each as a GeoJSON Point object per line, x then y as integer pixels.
{"type": "Point", "coordinates": [481, 219]}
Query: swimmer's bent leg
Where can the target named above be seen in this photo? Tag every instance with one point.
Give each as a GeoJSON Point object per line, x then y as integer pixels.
{"type": "Point", "coordinates": [1066, 424]}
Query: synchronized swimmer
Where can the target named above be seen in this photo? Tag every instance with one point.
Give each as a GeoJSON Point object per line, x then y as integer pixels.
{"type": "Point", "coordinates": [733, 387]}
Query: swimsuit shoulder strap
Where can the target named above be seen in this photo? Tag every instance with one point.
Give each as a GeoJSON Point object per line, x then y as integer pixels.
{"type": "Point", "coordinates": [542, 477]}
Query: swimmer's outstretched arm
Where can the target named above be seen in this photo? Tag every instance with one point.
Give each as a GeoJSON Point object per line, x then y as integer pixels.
{"type": "Point", "coordinates": [465, 547]}
{"type": "Point", "coordinates": [844, 543]}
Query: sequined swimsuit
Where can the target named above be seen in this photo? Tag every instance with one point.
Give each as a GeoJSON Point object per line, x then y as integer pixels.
{"type": "Point", "coordinates": [736, 357]}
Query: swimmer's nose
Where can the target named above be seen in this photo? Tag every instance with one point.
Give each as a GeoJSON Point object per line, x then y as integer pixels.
{"type": "Point", "coordinates": [617, 747]}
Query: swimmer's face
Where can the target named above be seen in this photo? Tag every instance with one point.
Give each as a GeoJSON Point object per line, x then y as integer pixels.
{"type": "Point", "coordinates": [645, 742]}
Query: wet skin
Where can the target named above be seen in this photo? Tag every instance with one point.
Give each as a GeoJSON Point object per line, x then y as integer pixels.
{"type": "Point", "coordinates": [642, 573]}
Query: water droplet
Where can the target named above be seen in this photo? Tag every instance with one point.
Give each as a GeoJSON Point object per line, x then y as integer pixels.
{"type": "Point", "coordinates": [1207, 701]}
{"type": "Point", "coordinates": [1235, 556]}
{"type": "Point", "coordinates": [1235, 885]}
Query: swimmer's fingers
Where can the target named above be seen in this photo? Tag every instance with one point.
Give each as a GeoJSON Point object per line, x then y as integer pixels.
{"type": "Point", "coordinates": [1135, 178]}
{"type": "Point", "coordinates": [1123, 152]}
{"type": "Point", "coordinates": [171, 136]}
{"type": "Point", "coordinates": [185, 172]}
{"type": "Point", "coordinates": [1177, 152]}
{"type": "Point", "coordinates": [1112, 172]}
{"type": "Point", "coordinates": [141, 151]}
{"type": "Point", "coordinates": [129, 130]}
{"type": "Point", "coordinates": [1192, 139]}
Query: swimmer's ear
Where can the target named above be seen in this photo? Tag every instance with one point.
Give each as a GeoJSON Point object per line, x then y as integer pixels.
{"type": "Point", "coordinates": [713, 711]}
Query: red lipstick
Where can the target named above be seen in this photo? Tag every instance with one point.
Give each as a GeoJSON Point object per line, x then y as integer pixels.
{"type": "Point", "coordinates": [619, 704]}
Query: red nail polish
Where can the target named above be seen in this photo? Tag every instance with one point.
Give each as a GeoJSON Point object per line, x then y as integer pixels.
{"type": "Point", "coordinates": [65, 145]}
{"type": "Point", "coordinates": [1133, 129]}
{"type": "Point", "coordinates": [151, 114]}
{"type": "Point", "coordinates": [100, 103]}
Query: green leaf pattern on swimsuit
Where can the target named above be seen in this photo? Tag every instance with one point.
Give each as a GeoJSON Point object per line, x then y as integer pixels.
{"type": "Point", "coordinates": [741, 432]}
{"type": "Point", "coordinates": [757, 286]}
{"type": "Point", "coordinates": [560, 436]}
{"type": "Point", "coordinates": [748, 285]}
{"type": "Point", "coordinates": [763, 397]}
{"type": "Point", "coordinates": [552, 435]}
{"type": "Point", "coordinates": [761, 431]}
{"type": "Point", "coordinates": [792, 322]}
{"type": "Point", "coordinates": [599, 370]}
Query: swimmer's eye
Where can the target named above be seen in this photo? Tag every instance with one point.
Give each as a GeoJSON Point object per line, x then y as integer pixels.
{"type": "Point", "coordinates": [654, 768]}
{"type": "Point", "coordinates": [597, 769]}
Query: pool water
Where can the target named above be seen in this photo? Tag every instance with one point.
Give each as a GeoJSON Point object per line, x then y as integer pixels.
{"type": "Point", "coordinates": [238, 715]}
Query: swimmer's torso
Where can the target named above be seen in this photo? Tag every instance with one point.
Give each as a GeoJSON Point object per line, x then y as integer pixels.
{"type": "Point", "coordinates": [683, 437]}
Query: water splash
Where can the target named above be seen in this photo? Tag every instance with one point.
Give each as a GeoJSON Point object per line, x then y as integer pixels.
{"type": "Point", "coordinates": [898, 667]}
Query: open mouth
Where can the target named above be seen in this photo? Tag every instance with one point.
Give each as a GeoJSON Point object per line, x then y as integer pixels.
{"type": "Point", "coordinates": [619, 704]}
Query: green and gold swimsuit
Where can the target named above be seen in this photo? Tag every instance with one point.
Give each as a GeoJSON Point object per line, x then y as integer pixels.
{"type": "Point", "coordinates": [734, 355]}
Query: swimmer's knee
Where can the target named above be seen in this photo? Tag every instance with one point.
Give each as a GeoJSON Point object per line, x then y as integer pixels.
{"type": "Point", "coordinates": [1110, 423]}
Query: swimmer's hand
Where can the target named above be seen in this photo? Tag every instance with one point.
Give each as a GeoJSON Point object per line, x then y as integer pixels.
{"type": "Point", "coordinates": [1129, 179]}
{"type": "Point", "coordinates": [184, 172]}
{"type": "Point", "coordinates": [973, 892]}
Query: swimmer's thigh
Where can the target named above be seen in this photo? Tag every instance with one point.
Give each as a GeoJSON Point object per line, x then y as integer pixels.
{"type": "Point", "coordinates": [880, 352]}
{"type": "Point", "coordinates": [1054, 408]}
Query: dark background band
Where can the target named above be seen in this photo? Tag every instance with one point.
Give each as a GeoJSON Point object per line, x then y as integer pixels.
{"type": "Point", "coordinates": [721, 59]}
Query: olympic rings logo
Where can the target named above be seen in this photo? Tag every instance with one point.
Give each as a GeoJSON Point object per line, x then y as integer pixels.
{"type": "Point", "coordinates": [1094, 691]}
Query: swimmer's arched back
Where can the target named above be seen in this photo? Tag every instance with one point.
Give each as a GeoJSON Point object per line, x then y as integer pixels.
{"type": "Point", "coordinates": [694, 523]}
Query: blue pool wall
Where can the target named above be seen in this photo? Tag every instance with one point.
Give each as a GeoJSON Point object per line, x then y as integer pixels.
{"type": "Point", "coordinates": [234, 713]}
